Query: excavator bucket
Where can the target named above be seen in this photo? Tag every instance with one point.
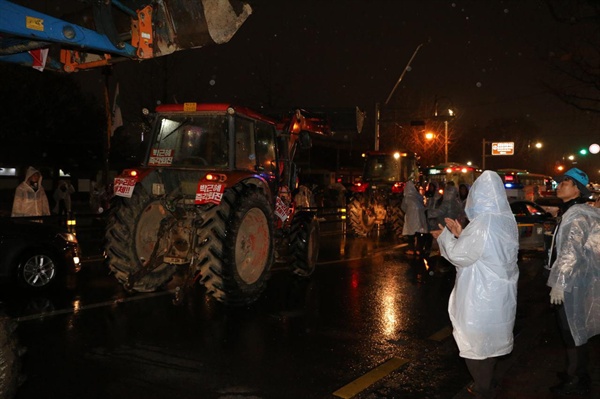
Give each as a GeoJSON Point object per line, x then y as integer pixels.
{"type": "Point", "coordinates": [90, 34]}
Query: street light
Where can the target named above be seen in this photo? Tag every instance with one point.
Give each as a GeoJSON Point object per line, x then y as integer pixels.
{"type": "Point", "coordinates": [377, 110]}
{"type": "Point", "coordinates": [446, 118]}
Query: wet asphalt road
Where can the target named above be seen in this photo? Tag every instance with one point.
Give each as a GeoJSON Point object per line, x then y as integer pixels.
{"type": "Point", "coordinates": [370, 323]}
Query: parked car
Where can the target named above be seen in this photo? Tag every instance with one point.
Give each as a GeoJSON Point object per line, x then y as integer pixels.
{"type": "Point", "coordinates": [536, 225]}
{"type": "Point", "coordinates": [550, 204]}
{"type": "Point", "coordinates": [36, 255]}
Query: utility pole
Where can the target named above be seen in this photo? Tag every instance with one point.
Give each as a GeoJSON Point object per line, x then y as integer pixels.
{"type": "Point", "coordinates": [483, 155]}
{"type": "Point", "coordinates": [377, 110]}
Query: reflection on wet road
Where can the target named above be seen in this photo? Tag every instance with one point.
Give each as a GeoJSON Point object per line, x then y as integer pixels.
{"type": "Point", "coordinates": [370, 323]}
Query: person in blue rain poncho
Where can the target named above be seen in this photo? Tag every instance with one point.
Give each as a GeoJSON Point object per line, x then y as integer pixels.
{"type": "Point", "coordinates": [483, 303]}
{"type": "Point", "coordinates": [575, 278]}
{"type": "Point", "coordinates": [415, 224]}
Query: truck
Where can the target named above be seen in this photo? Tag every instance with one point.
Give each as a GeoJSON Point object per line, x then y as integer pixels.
{"type": "Point", "coordinates": [217, 195]}
{"type": "Point", "coordinates": [377, 196]}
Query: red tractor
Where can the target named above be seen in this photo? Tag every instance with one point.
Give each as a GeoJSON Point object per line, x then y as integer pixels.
{"type": "Point", "coordinates": [376, 198]}
{"type": "Point", "coordinates": [217, 194]}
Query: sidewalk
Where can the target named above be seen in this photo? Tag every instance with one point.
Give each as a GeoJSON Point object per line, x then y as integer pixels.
{"type": "Point", "coordinates": [538, 355]}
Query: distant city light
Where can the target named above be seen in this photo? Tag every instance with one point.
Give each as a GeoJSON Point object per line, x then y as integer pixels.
{"type": "Point", "coordinates": [538, 145]}
{"type": "Point", "coordinates": [594, 148]}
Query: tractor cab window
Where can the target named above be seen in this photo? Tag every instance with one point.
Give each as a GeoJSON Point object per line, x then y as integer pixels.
{"type": "Point", "coordinates": [265, 147]}
{"type": "Point", "coordinates": [197, 141]}
{"type": "Point", "coordinates": [245, 153]}
{"type": "Point", "coordinates": [382, 168]}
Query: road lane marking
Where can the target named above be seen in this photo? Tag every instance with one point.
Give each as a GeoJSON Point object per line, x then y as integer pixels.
{"type": "Point", "coordinates": [442, 334]}
{"type": "Point", "coordinates": [362, 383]}
{"type": "Point", "coordinates": [92, 306]}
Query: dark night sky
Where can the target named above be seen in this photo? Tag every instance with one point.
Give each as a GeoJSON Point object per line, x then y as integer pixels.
{"type": "Point", "coordinates": [488, 57]}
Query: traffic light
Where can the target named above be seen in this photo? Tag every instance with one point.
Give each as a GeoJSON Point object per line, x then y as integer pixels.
{"type": "Point", "coordinates": [583, 151]}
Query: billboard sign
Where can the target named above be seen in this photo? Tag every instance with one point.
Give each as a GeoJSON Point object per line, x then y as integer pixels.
{"type": "Point", "coordinates": [506, 148]}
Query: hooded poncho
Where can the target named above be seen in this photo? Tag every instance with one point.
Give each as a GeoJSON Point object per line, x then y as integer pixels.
{"type": "Point", "coordinates": [414, 211]}
{"type": "Point", "coordinates": [483, 303]}
{"type": "Point", "coordinates": [30, 202]}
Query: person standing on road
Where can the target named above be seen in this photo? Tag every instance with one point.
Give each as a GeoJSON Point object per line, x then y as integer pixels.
{"type": "Point", "coordinates": [450, 207]}
{"type": "Point", "coordinates": [62, 198]}
{"type": "Point", "coordinates": [30, 197]}
{"type": "Point", "coordinates": [415, 224]}
{"type": "Point", "coordinates": [433, 199]}
{"type": "Point", "coordinates": [483, 303]}
{"type": "Point", "coordinates": [575, 278]}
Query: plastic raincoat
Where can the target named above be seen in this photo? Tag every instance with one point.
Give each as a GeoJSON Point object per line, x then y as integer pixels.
{"type": "Point", "coordinates": [577, 270]}
{"type": "Point", "coordinates": [483, 303]}
{"type": "Point", "coordinates": [414, 211]}
{"type": "Point", "coordinates": [30, 202]}
{"type": "Point", "coordinates": [450, 208]}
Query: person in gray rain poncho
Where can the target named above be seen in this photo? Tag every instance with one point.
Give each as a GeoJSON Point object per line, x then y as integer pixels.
{"type": "Point", "coordinates": [415, 224]}
{"type": "Point", "coordinates": [449, 208]}
{"type": "Point", "coordinates": [30, 197]}
{"type": "Point", "coordinates": [483, 303]}
{"type": "Point", "coordinates": [575, 278]}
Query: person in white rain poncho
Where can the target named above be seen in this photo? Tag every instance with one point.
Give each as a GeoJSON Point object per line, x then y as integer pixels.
{"type": "Point", "coordinates": [483, 303]}
{"type": "Point", "coordinates": [415, 224]}
{"type": "Point", "coordinates": [575, 278]}
{"type": "Point", "coordinates": [30, 197]}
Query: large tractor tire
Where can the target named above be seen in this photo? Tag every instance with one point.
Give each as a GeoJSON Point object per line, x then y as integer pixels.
{"type": "Point", "coordinates": [361, 221]}
{"type": "Point", "coordinates": [235, 245]}
{"type": "Point", "coordinates": [11, 377]}
{"type": "Point", "coordinates": [304, 243]}
{"type": "Point", "coordinates": [131, 234]}
{"type": "Point", "coordinates": [395, 218]}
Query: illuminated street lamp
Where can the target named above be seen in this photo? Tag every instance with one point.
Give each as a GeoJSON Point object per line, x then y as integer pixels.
{"type": "Point", "coordinates": [445, 118]}
{"type": "Point", "coordinates": [429, 136]}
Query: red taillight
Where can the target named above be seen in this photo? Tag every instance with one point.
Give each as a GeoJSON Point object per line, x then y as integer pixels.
{"type": "Point", "coordinates": [359, 187]}
{"type": "Point", "coordinates": [215, 177]}
{"type": "Point", "coordinates": [398, 188]}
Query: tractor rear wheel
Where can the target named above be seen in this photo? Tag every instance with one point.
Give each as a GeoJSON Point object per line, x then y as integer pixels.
{"type": "Point", "coordinates": [361, 220]}
{"type": "Point", "coordinates": [395, 217]}
{"type": "Point", "coordinates": [235, 245]}
{"type": "Point", "coordinates": [131, 234]}
{"type": "Point", "coordinates": [304, 243]}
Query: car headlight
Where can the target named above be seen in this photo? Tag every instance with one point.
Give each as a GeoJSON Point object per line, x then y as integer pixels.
{"type": "Point", "coordinates": [68, 237]}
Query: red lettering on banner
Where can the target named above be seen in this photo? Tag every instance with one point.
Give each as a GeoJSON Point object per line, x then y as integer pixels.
{"type": "Point", "coordinates": [161, 156]}
{"type": "Point", "coordinates": [209, 193]}
{"type": "Point", "coordinates": [124, 186]}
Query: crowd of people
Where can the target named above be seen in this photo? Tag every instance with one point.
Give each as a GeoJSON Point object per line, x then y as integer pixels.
{"type": "Point", "coordinates": [477, 233]}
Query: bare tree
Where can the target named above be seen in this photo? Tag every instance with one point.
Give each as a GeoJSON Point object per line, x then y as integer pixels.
{"type": "Point", "coordinates": [577, 53]}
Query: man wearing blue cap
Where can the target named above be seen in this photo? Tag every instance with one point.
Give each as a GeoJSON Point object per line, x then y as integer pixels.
{"type": "Point", "coordinates": [575, 278]}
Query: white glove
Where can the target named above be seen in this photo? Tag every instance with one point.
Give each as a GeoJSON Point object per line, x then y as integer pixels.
{"type": "Point", "coordinates": [557, 296]}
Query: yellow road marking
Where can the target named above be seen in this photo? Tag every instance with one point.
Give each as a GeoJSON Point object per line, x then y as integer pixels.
{"type": "Point", "coordinates": [361, 383]}
{"type": "Point", "coordinates": [442, 334]}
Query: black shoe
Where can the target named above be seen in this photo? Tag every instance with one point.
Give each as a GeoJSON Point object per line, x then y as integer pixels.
{"type": "Point", "coordinates": [572, 385]}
